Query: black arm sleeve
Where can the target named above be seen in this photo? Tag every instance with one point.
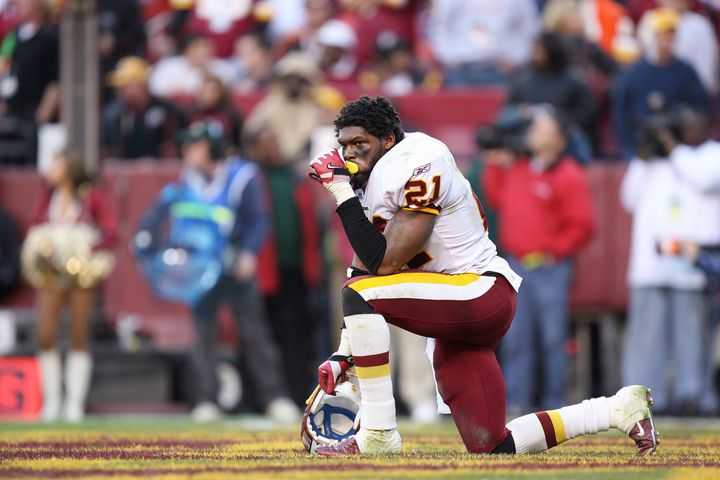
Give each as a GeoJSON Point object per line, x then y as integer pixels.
{"type": "Point", "coordinates": [367, 241]}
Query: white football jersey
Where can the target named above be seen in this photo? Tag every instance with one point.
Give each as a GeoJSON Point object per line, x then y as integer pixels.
{"type": "Point", "coordinates": [420, 174]}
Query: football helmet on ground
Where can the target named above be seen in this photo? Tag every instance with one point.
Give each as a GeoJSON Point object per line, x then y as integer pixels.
{"type": "Point", "coordinates": [329, 419]}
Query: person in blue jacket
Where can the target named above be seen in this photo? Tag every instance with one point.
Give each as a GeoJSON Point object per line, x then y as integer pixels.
{"type": "Point", "coordinates": [198, 245]}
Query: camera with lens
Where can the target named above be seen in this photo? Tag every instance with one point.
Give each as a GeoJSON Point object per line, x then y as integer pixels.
{"type": "Point", "coordinates": [649, 137]}
{"type": "Point", "coordinates": [506, 133]}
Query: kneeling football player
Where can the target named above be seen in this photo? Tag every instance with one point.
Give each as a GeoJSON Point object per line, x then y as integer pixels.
{"type": "Point", "coordinates": [424, 262]}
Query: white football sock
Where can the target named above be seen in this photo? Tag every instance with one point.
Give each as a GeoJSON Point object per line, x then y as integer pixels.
{"type": "Point", "coordinates": [50, 371]}
{"type": "Point", "coordinates": [370, 343]}
{"type": "Point", "coordinates": [539, 431]}
{"type": "Point", "coordinates": [78, 368]}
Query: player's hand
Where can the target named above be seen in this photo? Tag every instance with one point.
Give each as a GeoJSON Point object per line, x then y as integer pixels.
{"type": "Point", "coordinates": [331, 171]}
{"type": "Point", "coordinates": [329, 168]}
{"type": "Point", "coordinates": [331, 369]}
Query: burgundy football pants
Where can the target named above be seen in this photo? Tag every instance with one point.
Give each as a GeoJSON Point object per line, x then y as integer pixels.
{"type": "Point", "coordinates": [467, 314]}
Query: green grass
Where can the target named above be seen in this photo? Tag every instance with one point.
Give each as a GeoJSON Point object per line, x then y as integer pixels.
{"type": "Point", "coordinates": [249, 447]}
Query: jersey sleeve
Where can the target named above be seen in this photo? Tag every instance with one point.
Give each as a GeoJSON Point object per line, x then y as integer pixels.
{"type": "Point", "coordinates": [423, 188]}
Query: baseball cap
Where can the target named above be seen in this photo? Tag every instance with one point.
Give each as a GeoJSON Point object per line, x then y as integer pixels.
{"type": "Point", "coordinates": [664, 19]}
{"type": "Point", "coordinates": [129, 70]}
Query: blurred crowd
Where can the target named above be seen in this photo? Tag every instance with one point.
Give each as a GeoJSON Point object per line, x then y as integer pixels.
{"type": "Point", "coordinates": [585, 79]}
{"type": "Point", "coordinates": [166, 63]}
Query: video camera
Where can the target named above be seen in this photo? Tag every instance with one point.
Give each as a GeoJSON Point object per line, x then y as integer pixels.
{"type": "Point", "coordinates": [507, 132]}
{"type": "Point", "coordinates": [649, 143]}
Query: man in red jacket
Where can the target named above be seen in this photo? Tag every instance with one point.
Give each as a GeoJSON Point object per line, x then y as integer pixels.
{"type": "Point", "coordinates": [543, 203]}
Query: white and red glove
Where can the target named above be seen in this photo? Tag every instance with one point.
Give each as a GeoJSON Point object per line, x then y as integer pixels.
{"type": "Point", "coordinates": [331, 171]}
{"type": "Point", "coordinates": [334, 367]}
{"type": "Point", "coordinates": [331, 370]}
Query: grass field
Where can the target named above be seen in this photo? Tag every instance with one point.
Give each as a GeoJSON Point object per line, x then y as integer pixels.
{"type": "Point", "coordinates": [250, 448]}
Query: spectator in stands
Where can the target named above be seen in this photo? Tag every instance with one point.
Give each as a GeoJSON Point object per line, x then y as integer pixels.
{"type": "Point", "coordinates": [213, 106]}
{"type": "Point", "coordinates": [216, 211]}
{"type": "Point", "coordinates": [29, 65]}
{"type": "Point", "coordinates": [372, 18]}
{"type": "Point", "coordinates": [673, 201]}
{"type": "Point", "coordinates": [137, 124]}
{"type": "Point", "coordinates": [549, 79]}
{"type": "Point", "coordinates": [393, 69]}
{"type": "Point", "coordinates": [608, 24]}
{"type": "Point", "coordinates": [543, 203]}
{"type": "Point", "coordinates": [70, 200]}
{"type": "Point", "coordinates": [183, 74]}
{"type": "Point", "coordinates": [252, 63]}
{"type": "Point", "coordinates": [654, 85]}
{"type": "Point", "coordinates": [290, 109]}
{"type": "Point", "coordinates": [291, 263]}
{"type": "Point", "coordinates": [481, 42]}
{"type": "Point", "coordinates": [317, 12]}
{"type": "Point", "coordinates": [337, 41]}
{"type": "Point", "coordinates": [564, 17]}
{"type": "Point", "coordinates": [604, 23]}
{"type": "Point", "coordinates": [695, 41]}
{"type": "Point", "coordinates": [287, 17]}
{"type": "Point", "coordinates": [8, 17]}
{"type": "Point", "coordinates": [638, 8]}
{"type": "Point", "coordinates": [219, 21]}
{"type": "Point", "coordinates": [122, 33]}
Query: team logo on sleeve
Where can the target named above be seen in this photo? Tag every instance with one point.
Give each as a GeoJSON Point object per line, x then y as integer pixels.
{"type": "Point", "coordinates": [420, 170]}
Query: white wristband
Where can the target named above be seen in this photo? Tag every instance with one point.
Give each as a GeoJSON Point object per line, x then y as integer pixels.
{"type": "Point", "coordinates": [342, 191]}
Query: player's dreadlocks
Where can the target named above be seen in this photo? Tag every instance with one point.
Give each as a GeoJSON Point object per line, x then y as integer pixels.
{"type": "Point", "coordinates": [376, 115]}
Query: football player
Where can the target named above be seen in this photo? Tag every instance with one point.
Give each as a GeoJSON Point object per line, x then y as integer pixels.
{"type": "Point", "coordinates": [424, 262]}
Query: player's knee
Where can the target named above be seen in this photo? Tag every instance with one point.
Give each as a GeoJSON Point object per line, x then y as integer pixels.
{"type": "Point", "coordinates": [506, 447]}
{"type": "Point", "coordinates": [354, 303]}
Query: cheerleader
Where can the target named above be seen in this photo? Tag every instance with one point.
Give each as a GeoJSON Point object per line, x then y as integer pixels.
{"type": "Point", "coordinates": [65, 256]}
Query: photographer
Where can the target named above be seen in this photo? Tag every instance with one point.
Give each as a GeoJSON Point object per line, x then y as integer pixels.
{"type": "Point", "coordinates": [673, 193]}
{"type": "Point", "coordinates": [654, 85]}
{"type": "Point", "coordinates": [543, 203]}
{"type": "Point", "coordinates": [510, 127]}
{"type": "Point", "coordinates": [696, 161]}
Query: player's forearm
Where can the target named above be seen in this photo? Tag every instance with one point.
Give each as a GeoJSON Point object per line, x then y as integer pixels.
{"type": "Point", "coordinates": [367, 241]}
